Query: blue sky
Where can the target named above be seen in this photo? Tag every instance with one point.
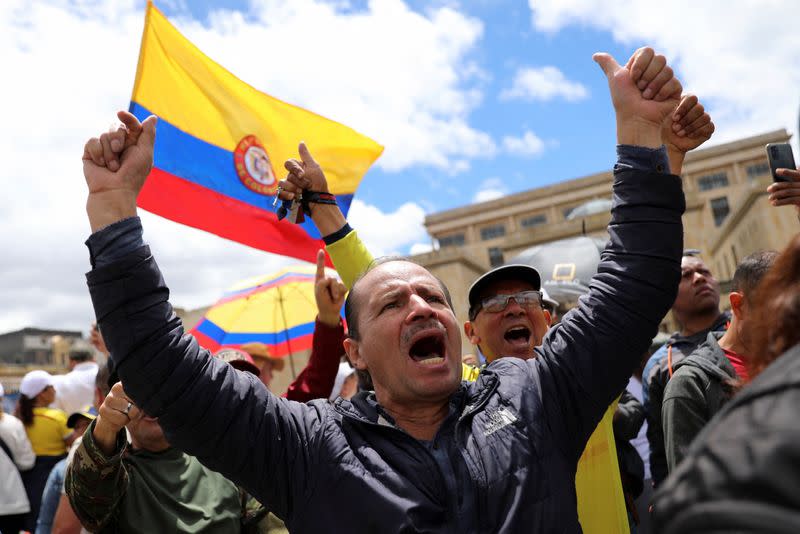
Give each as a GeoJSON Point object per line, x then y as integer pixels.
{"type": "Point", "coordinates": [472, 99]}
{"type": "Point", "coordinates": [578, 135]}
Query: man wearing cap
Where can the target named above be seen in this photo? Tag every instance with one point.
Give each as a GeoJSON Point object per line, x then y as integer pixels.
{"type": "Point", "coordinates": [424, 451]}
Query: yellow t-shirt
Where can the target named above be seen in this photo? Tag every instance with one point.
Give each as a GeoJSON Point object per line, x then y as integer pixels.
{"type": "Point", "coordinates": [48, 431]}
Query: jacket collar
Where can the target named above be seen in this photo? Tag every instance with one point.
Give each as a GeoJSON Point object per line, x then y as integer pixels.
{"type": "Point", "coordinates": [364, 406]}
{"type": "Point", "coordinates": [719, 325]}
{"type": "Point", "coordinates": [710, 358]}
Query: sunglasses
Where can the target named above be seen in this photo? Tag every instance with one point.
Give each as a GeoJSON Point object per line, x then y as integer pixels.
{"type": "Point", "coordinates": [498, 303]}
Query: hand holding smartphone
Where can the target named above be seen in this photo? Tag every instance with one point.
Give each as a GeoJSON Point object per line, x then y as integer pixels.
{"type": "Point", "coordinates": [780, 156]}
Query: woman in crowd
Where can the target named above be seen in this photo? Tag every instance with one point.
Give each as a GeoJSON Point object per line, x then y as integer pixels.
{"type": "Point", "coordinates": [742, 473]}
{"type": "Point", "coordinates": [47, 431]}
{"type": "Point", "coordinates": [16, 455]}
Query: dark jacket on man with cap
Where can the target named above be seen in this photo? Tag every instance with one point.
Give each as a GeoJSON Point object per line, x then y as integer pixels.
{"type": "Point", "coordinates": [700, 386]}
{"type": "Point", "coordinates": [503, 461]}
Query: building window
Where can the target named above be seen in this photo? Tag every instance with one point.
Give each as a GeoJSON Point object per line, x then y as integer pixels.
{"type": "Point", "coordinates": [712, 181]}
{"type": "Point", "coordinates": [756, 170]}
{"type": "Point", "coordinates": [720, 209]}
{"type": "Point", "coordinates": [536, 220]}
{"type": "Point", "coordinates": [490, 232]}
{"type": "Point", "coordinates": [495, 257]}
{"type": "Point", "coordinates": [452, 240]}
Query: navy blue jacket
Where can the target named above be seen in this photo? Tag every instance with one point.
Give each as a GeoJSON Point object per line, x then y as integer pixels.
{"type": "Point", "coordinates": [515, 435]}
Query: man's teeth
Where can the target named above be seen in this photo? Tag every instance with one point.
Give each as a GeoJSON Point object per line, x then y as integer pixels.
{"type": "Point", "coordinates": [431, 360]}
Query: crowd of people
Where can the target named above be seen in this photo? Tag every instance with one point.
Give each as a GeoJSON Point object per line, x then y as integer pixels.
{"type": "Point", "coordinates": [389, 428]}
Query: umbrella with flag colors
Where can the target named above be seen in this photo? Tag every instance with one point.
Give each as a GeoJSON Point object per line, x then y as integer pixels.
{"type": "Point", "coordinates": [277, 309]}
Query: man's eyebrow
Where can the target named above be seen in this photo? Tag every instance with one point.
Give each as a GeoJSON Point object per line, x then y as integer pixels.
{"type": "Point", "coordinates": [430, 287]}
{"type": "Point", "coordinates": [391, 294]}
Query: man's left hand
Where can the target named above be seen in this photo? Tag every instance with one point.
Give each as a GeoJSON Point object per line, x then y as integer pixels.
{"type": "Point", "coordinates": [329, 293]}
{"type": "Point", "coordinates": [644, 92]}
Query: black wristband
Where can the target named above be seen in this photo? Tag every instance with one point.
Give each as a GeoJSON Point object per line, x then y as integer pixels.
{"type": "Point", "coordinates": [337, 235]}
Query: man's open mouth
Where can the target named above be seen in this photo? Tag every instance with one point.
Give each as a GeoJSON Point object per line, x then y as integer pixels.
{"type": "Point", "coordinates": [428, 349]}
{"type": "Point", "coordinates": [518, 334]}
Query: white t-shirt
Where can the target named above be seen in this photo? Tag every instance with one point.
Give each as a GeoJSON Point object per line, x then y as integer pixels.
{"type": "Point", "coordinates": [13, 499]}
{"type": "Point", "coordinates": [75, 390]}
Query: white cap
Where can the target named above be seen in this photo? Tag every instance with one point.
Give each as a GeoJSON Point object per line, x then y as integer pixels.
{"type": "Point", "coordinates": [344, 371]}
{"type": "Point", "coordinates": [546, 298]}
{"type": "Point", "coordinates": [2, 392]}
{"type": "Point", "coordinates": [34, 383]}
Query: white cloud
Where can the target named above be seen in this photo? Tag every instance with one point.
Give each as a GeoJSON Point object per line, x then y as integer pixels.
{"type": "Point", "coordinates": [73, 65]}
{"type": "Point", "coordinates": [388, 234]}
{"type": "Point", "coordinates": [420, 248]}
{"type": "Point", "coordinates": [743, 66]}
{"type": "Point", "coordinates": [543, 83]}
{"type": "Point", "coordinates": [490, 189]}
{"type": "Point", "coordinates": [402, 77]}
{"type": "Point", "coordinates": [528, 145]}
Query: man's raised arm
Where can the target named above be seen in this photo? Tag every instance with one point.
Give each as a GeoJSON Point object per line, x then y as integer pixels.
{"type": "Point", "coordinates": [585, 362]}
{"type": "Point", "coordinates": [350, 257]}
{"type": "Point", "coordinates": [227, 419]}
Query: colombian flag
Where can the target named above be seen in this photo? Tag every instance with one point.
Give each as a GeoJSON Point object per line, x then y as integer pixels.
{"type": "Point", "coordinates": [221, 145]}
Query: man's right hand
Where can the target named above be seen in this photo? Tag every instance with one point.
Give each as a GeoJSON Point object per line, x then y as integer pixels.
{"type": "Point", "coordinates": [116, 411]}
{"type": "Point", "coordinates": [685, 129]}
{"type": "Point", "coordinates": [307, 174]}
{"type": "Point", "coordinates": [115, 166]}
{"type": "Point", "coordinates": [644, 92]}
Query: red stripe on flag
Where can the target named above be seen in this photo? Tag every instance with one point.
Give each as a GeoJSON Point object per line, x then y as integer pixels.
{"type": "Point", "coordinates": [199, 207]}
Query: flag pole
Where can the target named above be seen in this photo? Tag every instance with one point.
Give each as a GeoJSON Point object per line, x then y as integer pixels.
{"type": "Point", "coordinates": [286, 333]}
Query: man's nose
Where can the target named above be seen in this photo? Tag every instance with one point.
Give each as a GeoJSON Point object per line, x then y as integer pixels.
{"type": "Point", "coordinates": [513, 307]}
{"type": "Point", "coordinates": [420, 309]}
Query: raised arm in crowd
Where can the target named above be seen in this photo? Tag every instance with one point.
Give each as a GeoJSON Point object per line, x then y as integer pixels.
{"type": "Point", "coordinates": [424, 451]}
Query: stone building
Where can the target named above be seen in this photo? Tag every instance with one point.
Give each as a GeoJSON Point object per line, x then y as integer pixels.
{"type": "Point", "coordinates": [727, 217]}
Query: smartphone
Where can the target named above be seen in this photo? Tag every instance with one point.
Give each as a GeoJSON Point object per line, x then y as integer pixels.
{"type": "Point", "coordinates": [780, 157]}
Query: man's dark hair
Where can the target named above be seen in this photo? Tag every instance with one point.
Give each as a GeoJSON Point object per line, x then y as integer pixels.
{"type": "Point", "coordinates": [350, 311]}
{"type": "Point", "coordinates": [101, 381]}
{"type": "Point", "coordinates": [81, 356]}
{"type": "Point", "coordinates": [751, 270]}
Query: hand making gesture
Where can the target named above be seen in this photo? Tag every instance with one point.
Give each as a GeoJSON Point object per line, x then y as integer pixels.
{"type": "Point", "coordinates": [329, 292]}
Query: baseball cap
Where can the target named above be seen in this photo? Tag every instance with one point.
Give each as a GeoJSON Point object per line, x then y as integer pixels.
{"type": "Point", "coordinates": [238, 359]}
{"type": "Point", "coordinates": [548, 300]}
{"type": "Point", "coordinates": [257, 349]}
{"type": "Point", "coordinates": [88, 411]}
{"type": "Point", "coordinates": [514, 271]}
{"type": "Point", "coordinates": [35, 382]}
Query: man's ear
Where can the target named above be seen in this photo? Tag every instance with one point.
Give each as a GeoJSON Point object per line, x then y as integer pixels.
{"type": "Point", "coordinates": [547, 318]}
{"type": "Point", "coordinates": [737, 299]}
{"type": "Point", "coordinates": [469, 330]}
{"type": "Point", "coordinates": [351, 347]}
